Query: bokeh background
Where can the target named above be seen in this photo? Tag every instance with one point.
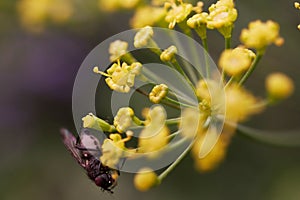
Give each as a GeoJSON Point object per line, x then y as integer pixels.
{"type": "Point", "coordinates": [38, 65]}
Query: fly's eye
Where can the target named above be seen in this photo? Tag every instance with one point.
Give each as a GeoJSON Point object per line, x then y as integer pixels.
{"type": "Point", "coordinates": [103, 180]}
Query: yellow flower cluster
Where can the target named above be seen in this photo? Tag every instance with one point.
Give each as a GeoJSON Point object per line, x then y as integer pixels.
{"type": "Point", "coordinates": [240, 104]}
{"type": "Point", "coordinates": [177, 13]}
{"type": "Point", "coordinates": [121, 78]}
{"type": "Point", "coordinates": [235, 61]}
{"type": "Point", "coordinates": [113, 148]}
{"type": "Point", "coordinates": [154, 137]}
{"type": "Point", "coordinates": [222, 14]}
{"type": "Point", "coordinates": [259, 35]}
{"type": "Point", "coordinates": [114, 5]}
{"type": "Point", "coordinates": [147, 16]}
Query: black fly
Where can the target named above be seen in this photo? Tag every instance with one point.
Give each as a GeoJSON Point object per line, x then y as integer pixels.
{"type": "Point", "coordinates": [86, 149]}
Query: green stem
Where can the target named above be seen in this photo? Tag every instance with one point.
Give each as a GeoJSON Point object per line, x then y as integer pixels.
{"type": "Point", "coordinates": [205, 46]}
{"type": "Point", "coordinates": [167, 99]}
{"type": "Point", "coordinates": [252, 68]}
{"type": "Point", "coordinates": [227, 43]}
{"type": "Point", "coordinates": [174, 164]}
{"type": "Point", "coordinates": [173, 121]}
{"type": "Point", "coordinates": [180, 70]}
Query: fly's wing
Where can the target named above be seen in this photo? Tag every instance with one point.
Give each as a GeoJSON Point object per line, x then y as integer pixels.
{"type": "Point", "coordinates": [90, 143]}
{"type": "Point", "coordinates": [70, 141]}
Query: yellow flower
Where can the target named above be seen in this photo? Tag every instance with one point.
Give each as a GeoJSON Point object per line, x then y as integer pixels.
{"type": "Point", "coordinates": [197, 20]}
{"type": "Point", "coordinates": [209, 90]}
{"type": "Point", "coordinates": [143, 37]}
{"type": "Point", "coordinates": [158, 93]}
{"type": "Point", "coordinates": [117, 49]}
{"type": "Point", "coordinates": [113, 149]}
{"type": "Point", "coordinates": [145, 179]}
{"type": "Point", "coordinates": [221, 14]}
{"type": "Point", "coordinates": [121, 78]}
{"type": "Point", "coordinates": [113, 5]}
{"type": "Point", "coordinates": [147, 16]}
{"type": "Point", "coordinates": [297, 6]}
{"type": "Point", "coordinates": [240, 104]}
{"type": "Point", "coordinates": [154, 136]}
{"type": "Point", "coordinates": [235, 61]}
{"type": "Point", "coordinates": [60, 11]}
{"type": "Point", "coordinates": [123, 119]}
{"type": "Point", "coordinates": [192, 122]}
{"type": "Point", "coordinates": [209, 149]}
{"type": "Point", "coordinates": [199, 7]}
{"type": "Point", "coordinates": [35, 13]}
{"type": "Point", "coordinates": [178, 13]}
{"type": "Point", "coordinates": [168, 54]}
{"type": "Point", "coordinates": [91, 121]}
{"type": "Point", "coordinates": [259, 35]}
{"type": "Point", "coordinates": [279, 86]}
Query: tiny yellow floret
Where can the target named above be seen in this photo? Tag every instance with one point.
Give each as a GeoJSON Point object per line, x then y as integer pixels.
{"type": "Point", "coordinates": [123, 119]}
{"type": "Point", "coordinates": [117, 49]}
{"type": "Point", "coordinates": [177, 13]}
{"type": "Point", "coordinates": [279, 86]}
{"type": "Point", "coordinates": [169, 54]}
{"type": "Point", "coordinates": [91, 121]}
{"type": "Point", "coordinates": [158, 93]}
{"type": "Point", "coordinates": [143, 36]}
{"type": "Point", "coordinates": [121, 78]}
{"type": "Point", "coordinates": [145, 179]}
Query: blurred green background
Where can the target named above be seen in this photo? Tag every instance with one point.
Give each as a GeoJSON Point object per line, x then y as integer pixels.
{"type": "Point", "coordinates": [38, 68]}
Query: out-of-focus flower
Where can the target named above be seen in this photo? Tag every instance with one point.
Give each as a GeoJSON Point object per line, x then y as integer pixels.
{"type": "Point", "coordinates": [145, 179]}
{"type": "Point", "coordinates": [114, 5]}
{"type": "Point", "coordinates": [221, 16]}
{"type": "Point", "coordinates": [123, 119]}
{"type": "Point", "coordinates": [121, 78]}
{"type": "Point", "coordinates": [209, 90]}
{"type": "Point", "coordinates": [297, 6]}
{"type": "Point", "coordinates": [259, 35]}
{"type": "Point", "coordinates": [235, 61]}
{"type": "Point", "coordinates": [177, 13]}
{"type": "Point", "coordinates": [216, 152]}
{"type": "Point", "coordinates": [192, 122]}
{"type": "Point", "coordinates": [143, 37]}
{"type": "Point", "coordinates": [240, 104]}
{"type": "Point", "coordinates": [154, 136]}
{"type": "Point", "coordinates": [147, 16]}
{"type": "Point", "coordinates": [117, 49]}
{"type": "Point", "coordinates": [214, 145]}
{"type": "Point", "coordinates": [113, 148]}
{"type": "Point", "coordinates": [158, 93]}
{"type": "Point", "coordinates": [279, 86]}
{"type": "Point", "coordinates": [168, 54]}
{"type": "Point", "coordinates": [35, 13]}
